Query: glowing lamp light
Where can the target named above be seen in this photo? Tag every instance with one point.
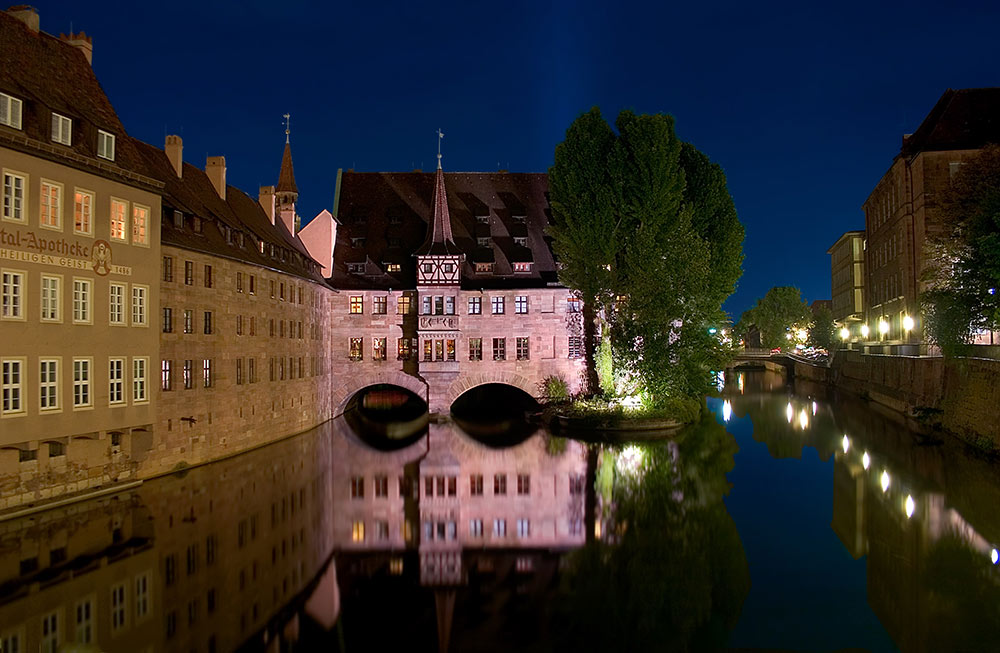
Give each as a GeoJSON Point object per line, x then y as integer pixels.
{"type": "Point", "coordinates": [739, 382]}
{"type": "Point", "coordinates": [845, 333]}
{"type": "Point", "coordinates": [713, 331]}
{"type": "Point", "coordinates": [788, 336]}
{"type": "Point", "coordinates": [909, 506]}
{"type": "Point", "coordinates": [802, 334]}
{"type": "Point", "coordinates": [789, 412]}
{"type": "Point", "coordinates": [865, 330]}
{"type": "Point", "coordinates": [908, 323]}
{"type": "Point", "coordinates": [994, 556]}
{"type": "Point", "coordinates": [866, 461]}
{"type": "Point", "coordinates": [803, 419]}
{"type": "Point", "coordinates": [883, 327]}
{"type": "Point", "coordinates": [992, 291]}
{"type": "Point", "coordinates": [814, 408]}
{"type": "Point", "coordinates": [884, 480]}
{"type": "Point", "coordinates": [845, 443]}
{"type": "Point", "coordinates": [727, 410]}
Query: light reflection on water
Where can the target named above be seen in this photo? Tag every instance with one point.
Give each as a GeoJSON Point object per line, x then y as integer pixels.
{"type": "Point", "coordinates": [794, 521]}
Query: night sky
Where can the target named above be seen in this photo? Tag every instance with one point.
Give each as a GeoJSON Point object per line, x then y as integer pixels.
{"type": "Point", "coordinates": [803, 106]}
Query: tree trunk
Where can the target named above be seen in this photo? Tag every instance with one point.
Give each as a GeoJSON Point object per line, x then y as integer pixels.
{"type": "Point", "coordinates": [592, 384]}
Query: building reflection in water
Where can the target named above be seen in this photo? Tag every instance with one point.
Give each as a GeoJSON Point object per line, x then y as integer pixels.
{"type": "Point", "coordinates": [920, 507]}
{"type": "Point", "coordinates": [218, 558]}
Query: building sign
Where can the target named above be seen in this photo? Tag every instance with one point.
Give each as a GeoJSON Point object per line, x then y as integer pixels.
{"type": "Point", "coordinates": [439, 322]}
{"type": "Point", "coordinates": [28, 247]}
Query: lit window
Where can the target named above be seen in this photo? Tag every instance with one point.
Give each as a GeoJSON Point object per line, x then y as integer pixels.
{"type": "Point", "coordinates": [62, 129]}
{"type": "Point", "coordinates": [403, 305]}
{"type": "Point", "coordinates": [358, 531]}
{"type": "Point", "coordinates": [484, 268]}
{"type": "Point", "coordinates": [206, 372]}
{"type": "Point", "coordinates": [12, 295]}
{"type": "Point", "coordinates": [357, 304]}
{"type": "Point", "coordinates": [119, 220]}
{"type": "Point", "coordinates": [50, 205]}
{"type": "Point", "coordinates": [498, 305]}
{"type": "Point", "coordinates": [403, 349]}
{"type": "Point", "coordinates": [166, 375]}
{"type": "Point", "coordinates": [140, 225]}
{"type": "Point", "coordinates": [521, 304]}
{"type": "Point", "coordinates": [83, 212]}
{"type": "Point", "coordinates": [357, 349]}
{"type": "Point", "coordinates": [393, 267]}
{"type": "Point", "coordinates": [11, 382]}
{"type": "Point", "coordinates": [522, 267]}
{"type": "Point", "coordinates": [10, 111]}
{"type": "Point", "coordinates": [48, 384]}
{"type": "Point", "coordinates": [13, 197]}
{"type": "Point", "coordinates": [378, 349]}
{"type": "Point", "coordinates": [105, 145]}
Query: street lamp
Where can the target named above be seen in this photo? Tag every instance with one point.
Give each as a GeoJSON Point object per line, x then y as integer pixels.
{"type": "Point", "coordinates": [802, 334]}
{"type": "Point", "coordinates": [864, 331]}
{"type": "Point", "coordinates": [907, 323]}
{"type": "Point", "coordinates": [845, 333]}
{"type": "Point", "coordinates": [883, 327]}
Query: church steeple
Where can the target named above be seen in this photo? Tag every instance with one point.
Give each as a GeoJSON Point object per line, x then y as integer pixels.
{"type": "Point", "coordinates": [439, 260]}
{"type": "Point", "coordinates": [286, 178]}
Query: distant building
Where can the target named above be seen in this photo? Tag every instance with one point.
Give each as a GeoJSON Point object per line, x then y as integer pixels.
{"type": "Point", "coordinates": [902, 213]}
{"type": "Point", "coordinates": [847, 275]}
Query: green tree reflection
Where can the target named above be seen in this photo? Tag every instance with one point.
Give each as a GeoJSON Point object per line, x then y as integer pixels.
{"type": "Point", "coordinates": [673, 574]}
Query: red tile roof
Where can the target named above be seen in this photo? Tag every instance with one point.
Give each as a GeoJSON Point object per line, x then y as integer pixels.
{"type": "Point", "coordinates": [962, 119]}
{"type": "Point", "coordinates": [286, 178]}
{"type": "Point", "coordinates": [439, 238]}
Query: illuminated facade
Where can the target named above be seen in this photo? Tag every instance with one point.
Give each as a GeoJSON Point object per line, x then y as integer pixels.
{"type": "Point", "coordinates": [847, 273]}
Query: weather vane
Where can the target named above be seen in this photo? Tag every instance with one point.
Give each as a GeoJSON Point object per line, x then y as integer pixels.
{"type": "Point", "coordinates": [440, 136]}
{"type": "Point", "coordinates": [288, 122]}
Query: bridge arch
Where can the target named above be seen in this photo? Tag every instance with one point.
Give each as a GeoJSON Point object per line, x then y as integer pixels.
{"type": "Point", "coordinates": [344, 394]}
{"type": "Point", "coordinates": [465, 383]}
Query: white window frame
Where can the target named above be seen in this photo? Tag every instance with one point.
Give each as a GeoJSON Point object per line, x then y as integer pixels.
{"type": "Point", "coordinates": [15, 198]}
{"type": "Point", "coordinates": [523, 528]}
{"type": "Point", "coordinates": [103, 139]}
{"type": "Point", "coordinates": [86, 625]}
{"type": "Point", "coordinates": [140, 305]}
{"type": "Point", "coordinates": [51, 201]}
{"type": "Point", "coordinates": [116, 381]}
{"type": "Point", "coordinates": [62, 129]}
{"type": "Point", "coordinates": [82, 306]}
{"type": "Point", "coordinates": [521, 302]}
{"type": "Point", "coordinates": [13, 290]}
{"type": "Point", "coordinates": [118, 607]}
{"type": "Point", "coordinates": [49, 380]}
{"type": "Point", "coordinates": [78, 208]}
{"type": "Point", "coordinates": [12, 392]}
{"type": "Point", "coordinates": [140, 383]}
{"type": "Point", "coordinates": [143, 595]}
{"type": "Point", "coordinates": [137, 210]}
{"type": "Point", "coordinates": [50, 298]}
{"type": "Point", "coordinates": [11, 109]}
{"type": "Point", "coordinates": [83, 369]}
{"type": "Point", "coordinates": [50, 640]}
{"type": "Point", "coordinates": [116, 304]}
{"type": "Point", "coordinates": [499, 528]}
{"type": "Point", "coordinates": [112, 221]}
{"type": "Point", "coordinates": [498, 301]}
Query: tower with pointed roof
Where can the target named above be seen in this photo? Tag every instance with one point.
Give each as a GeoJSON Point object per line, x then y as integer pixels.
{"type": "Point", "coordinates": [286, 193]}
{"type": "Point", "coordinates": [439, 259]}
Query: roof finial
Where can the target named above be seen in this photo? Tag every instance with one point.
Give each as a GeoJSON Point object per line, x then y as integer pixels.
{"type": "Point", "coordinates": [440, 136]}
{"type": "Point", "coordinates": [288, 122]}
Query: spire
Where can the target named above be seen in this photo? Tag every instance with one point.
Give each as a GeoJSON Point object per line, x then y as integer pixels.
{"type": "Point", "coordinates": [439, 237]}
{"type": "Point", "coordinates": [286, 178]}
{"type": "Point", "coordinates": [440, 136]}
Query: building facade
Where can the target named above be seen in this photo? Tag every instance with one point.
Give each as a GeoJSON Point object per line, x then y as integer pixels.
{"type": "Point", "coordinates": [446, 282]}
{"type": "Point", "coordinates": [847, 274]}
{"type": "Point", "coordinates": [80, 222]}
{"type": "Point", "coordinates": [903, 211]}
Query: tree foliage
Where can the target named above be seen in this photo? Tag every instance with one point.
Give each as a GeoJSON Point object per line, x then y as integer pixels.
{"type": "Point", "coordinates": [777, 313]}
{"type": "Point", "coordinates": [963, 275]}
{"type": "Point", "coordinates": [821, 334]}
{"type": "Point", "coordinates": [645, 228]}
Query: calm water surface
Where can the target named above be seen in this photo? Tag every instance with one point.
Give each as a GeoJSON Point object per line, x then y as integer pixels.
{"type": "Point", "coordinates": [785, 520]}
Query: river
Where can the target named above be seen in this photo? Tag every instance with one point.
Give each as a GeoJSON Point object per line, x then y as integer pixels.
{"type": "Point", "coordinates": [786, 519]}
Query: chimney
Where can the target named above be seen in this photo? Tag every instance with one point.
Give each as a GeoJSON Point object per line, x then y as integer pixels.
{"type": "Point", "coordinates": [287, 215]}
{"type": "Point", "coordinates": [174, 148]}
{"type": "Point", "coordinates": [81, 42]}
{"type": "Point", "coordinates": [215, 168]}
{"type": "Point", "coordinates": [266, 199]}
{"type": "Point", "coordinates": [26, 15]}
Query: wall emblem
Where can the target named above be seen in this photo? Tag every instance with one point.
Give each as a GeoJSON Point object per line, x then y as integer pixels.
{"type": "Point", "coordinates": [101, 257]}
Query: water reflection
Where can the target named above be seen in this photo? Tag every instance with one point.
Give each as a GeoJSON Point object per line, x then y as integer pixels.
{"type": "Point", "coordinates": [920, 509]}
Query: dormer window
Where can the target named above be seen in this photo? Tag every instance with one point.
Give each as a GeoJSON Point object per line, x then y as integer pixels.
{"type": "Point", "coordinates": [483, 219]}
{"type": "Point", "coordinates": [241, 239]}
{"type": "Point", "coordinates": [522, 267]}
{"type": "Point", "coordinates": [395, 219]}
{"type": "Point", "coordinates": [196, 225]}
{"type": "Point", "coordinates": [178, 220]}
{"type": "Point", "coordinates": [357, 241]}
{"type": "Point", "coordinates": [484, 268]}
{"type": "Point", "coordinates": [393, 267]}
{"type": "Point", "coordinates": [62, 129]}
{"type": "Point", "coordinates": [520, 241]}
{"type": "Point", "coordinates": [395, 242]}
{"type": "Point", "coordinates": [356, 268]}
{"type": "Point", "coordinates": [260, 246]}
{"type": "Point", "coordinates": [105, 145]}
{"type": "Point", "coordinates": [358, 219]}
{"type": "Point", "coordinates": [10, 111]}
{"type": "Point", "coordinates": [519, 219]}
{"type": "Point", "coordinates": [483, 242]}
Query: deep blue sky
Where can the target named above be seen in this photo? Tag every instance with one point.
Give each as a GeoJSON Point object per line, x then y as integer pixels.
{"type": "Point", "coordinates": [802, 105]}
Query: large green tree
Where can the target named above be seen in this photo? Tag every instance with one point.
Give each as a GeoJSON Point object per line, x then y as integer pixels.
{"type": "Point", "coordinates": [963, 274]}
{"type": "Point", "coordinates": [781, 311]}
{"type": "Point", "coordinates": [645, 227]}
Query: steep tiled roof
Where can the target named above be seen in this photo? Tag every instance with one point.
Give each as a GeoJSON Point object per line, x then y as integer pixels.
{"type": "Point", "coordinates": [964, 119]}
{"type": "Point", "coordinates": [286, 178]}
{"type": "Point", "coordinates": [49, 75]}
{"type": "Point", "coordinates": [194, 195]}
{"type": "Point", "coordinates": [439, 237]}
{"type": "Point", "coordinates": [385, 218]}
